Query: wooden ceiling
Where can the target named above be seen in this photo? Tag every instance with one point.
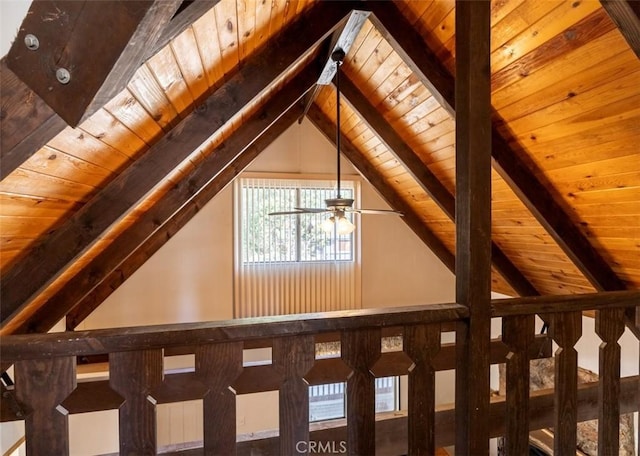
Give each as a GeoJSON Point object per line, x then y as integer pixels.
{"type": "Point", "coordinates": [82, 208]}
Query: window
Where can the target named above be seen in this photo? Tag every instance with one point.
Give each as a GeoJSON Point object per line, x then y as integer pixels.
{"type": "Point", "coordinates": [327, 402]}
{"type": "Point", "coordinates": [287, 263]}
{"type": "Point", "coordinates": [289, 238]}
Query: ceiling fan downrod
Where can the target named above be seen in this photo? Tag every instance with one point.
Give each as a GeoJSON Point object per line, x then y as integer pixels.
{"type": "Point", "coordinates": [338, 57]}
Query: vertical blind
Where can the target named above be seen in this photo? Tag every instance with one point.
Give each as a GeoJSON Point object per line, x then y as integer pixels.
{"type": "Point", "coordinates": [287, 263]}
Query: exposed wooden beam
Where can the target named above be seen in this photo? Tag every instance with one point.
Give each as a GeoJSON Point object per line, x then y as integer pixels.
{"type": "Point", "coordinates": [28, 123]}
{"type": "Point", "coordinates": [427, 180]}
{"type": "Point", "coordinates": [473, 223]}
{"type": "Point", "coordinates": [409, 44]}
{"type": "Point", "coordinates": [62, 54]}
{"type": "Point", "coordinates": [108, 270]}
{"type": "Point", "coordinates": [520, 176]}
{"type": "Point", "coordinates": [411, 218]}
{"type": "Point", "coordinates": [34, 273]}
{"type": "Point", "coordinates": [626, 15]}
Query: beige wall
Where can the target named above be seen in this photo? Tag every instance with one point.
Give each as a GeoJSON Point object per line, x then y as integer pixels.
{"type": "Point", "coordinates": [191, 277]}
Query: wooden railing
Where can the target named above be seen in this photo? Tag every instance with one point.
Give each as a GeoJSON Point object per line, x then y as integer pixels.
{"type": "Point", "coordinates": [46, 388]}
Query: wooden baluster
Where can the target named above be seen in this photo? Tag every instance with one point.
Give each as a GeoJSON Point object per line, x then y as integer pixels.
{"type": "Point", "coordinates": [134, 375]}
{"type": "Point", "coordinates": [566, 329]}
{"type": "Point", "coordinates": [421, 344]}
{"type": "Point", "coordinates": [293, 357]}
{"type": "Point", "coordinates": [41, 385]}
{"type": "Point", "coordinates": [609, 326]}
{"type": "Point", "coordinates": [518, 335]}
{"type": "Point", "coordinates": [218, 366]}
{"type": "Point", "coordinates": [360, 350]}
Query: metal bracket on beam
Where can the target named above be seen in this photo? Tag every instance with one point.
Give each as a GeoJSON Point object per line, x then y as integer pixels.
{"type": "Point", "coordinates": [344, 41]}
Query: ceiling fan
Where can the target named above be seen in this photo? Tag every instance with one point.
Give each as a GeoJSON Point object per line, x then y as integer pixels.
{"type": "Point", "coordinates": [337, 207]}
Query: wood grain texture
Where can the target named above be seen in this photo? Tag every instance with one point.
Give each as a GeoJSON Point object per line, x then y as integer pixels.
{"type": "Point", "coordinates": [173, 210]}
{"type": "Point", "coordinates": [70, 38]}
{"type": "Point", "coordinates": [422, 343]}
{"type": "Point", "coordinates": [566, 329]}
{"type": "Point", "coordinates": [41, 386]}
{"type": "Point", "coordinates": [473, 223]}
{"type": "Point", "coordinates": [29, 346]}
{"type": "Point", "coordinates": [293, 357]}
{"type": "Point", "coordinates": [518, 335]}
{"type": "Point", "coordinates": [97, 395]}
{"type": "Point", "coordinates": [626, 15]}
{"type": "Point", "coordinates": [28, 123]}
{"type": "Point", "coordinates": [126, 190]}
{"type": "Point", "coordinates": [571, 303]}
{"type": "Point", "coordinates": [360, 349]}
{"type": "Point", "coordinates": [217, 367]}
{"type": "Point", "coordinates": [423, 175]}
{"type": "Point", "coordinates": [134, 375]}
{"type": "Point", "coordinates": [609, 326]}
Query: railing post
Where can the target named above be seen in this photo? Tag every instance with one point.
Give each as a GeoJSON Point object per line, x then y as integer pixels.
{"type": "Point", "coordinates": [360, 350]}
{"type": "Point", "coordinates": [134, 375]}
{"type": "Point", "coordinates": [566, 329]}
{"type": "Point", "coordinates": [218, 366]}
{"type": "Point", "coordinates": [517, 335]}
{"type": "Point", "coordinates": [293, 357]}
{"type": "Point", "coordinates": [421, 344]}
{"type": "Point", "coordinates": [609, 326]}
{"type": "Point", "coordinates": [41, 386]}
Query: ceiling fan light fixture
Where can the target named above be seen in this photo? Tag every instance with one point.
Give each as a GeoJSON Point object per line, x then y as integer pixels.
{"type": "Point", "coordinates": [344, 226]}
{"type": "Point", "coordinates": [327, 224]}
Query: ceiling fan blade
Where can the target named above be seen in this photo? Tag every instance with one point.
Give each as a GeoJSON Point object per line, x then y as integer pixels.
{"type": "Point", "coordinates": [311, 210]}
{"type": "Point", "coordinates": [299, 210]}
{"type": "Point", "coordinates": [377, 211]}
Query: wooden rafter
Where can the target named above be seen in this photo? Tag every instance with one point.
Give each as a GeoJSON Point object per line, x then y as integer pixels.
{"type": "Point", "coordinates": [28, 122]}
{"type": "Point", "coordinates": [411, 218]}
{"type": "Point", "coordinates": [61, 54]}
{"type": "Point", "coordinates": [626, 15]}
{"type": "Point", "coordinates": [132, 248]}
{"type": "Point", "coordinates": [427, 180]}
{"type": "Point", "coordinates": [59, 250]}
{"type": "Point", "coordinates": [520, 177]}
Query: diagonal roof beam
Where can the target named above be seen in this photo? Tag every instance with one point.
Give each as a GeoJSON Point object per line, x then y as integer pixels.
{"type": "Point", "coordinates": [626, 15]}
{"type": "Point", "coordinates": [30, 276]}
{"type": "Point", "coordinates": [141, 254]}
{"type": "Point", "coordinates": [60, 51]}
{"type": "Point", "coordinates": [28, 123]}
{"type": "Point", "coordinates": [536, 197]}
{"type": "Point", "coordinates": [411, 218]}
{"type": "Point", "coordinates": [126, 253]}
{"type": "Point", "coordinates": [427, 180]}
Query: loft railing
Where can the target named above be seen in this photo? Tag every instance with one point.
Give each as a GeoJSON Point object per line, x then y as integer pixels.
{"type": "Point", "coordinates": [46, 388]}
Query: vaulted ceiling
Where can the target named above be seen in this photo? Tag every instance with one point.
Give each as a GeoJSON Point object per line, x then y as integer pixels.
{"type": "Point", "coordinates": [81, 208]}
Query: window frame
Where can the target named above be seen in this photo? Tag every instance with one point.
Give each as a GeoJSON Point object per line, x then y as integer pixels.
{"type": "Point", "coordinates": [351, 179]}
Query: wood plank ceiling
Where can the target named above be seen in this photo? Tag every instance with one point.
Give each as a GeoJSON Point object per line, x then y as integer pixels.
{"type": "Point", "coordinates": [566, 100]}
